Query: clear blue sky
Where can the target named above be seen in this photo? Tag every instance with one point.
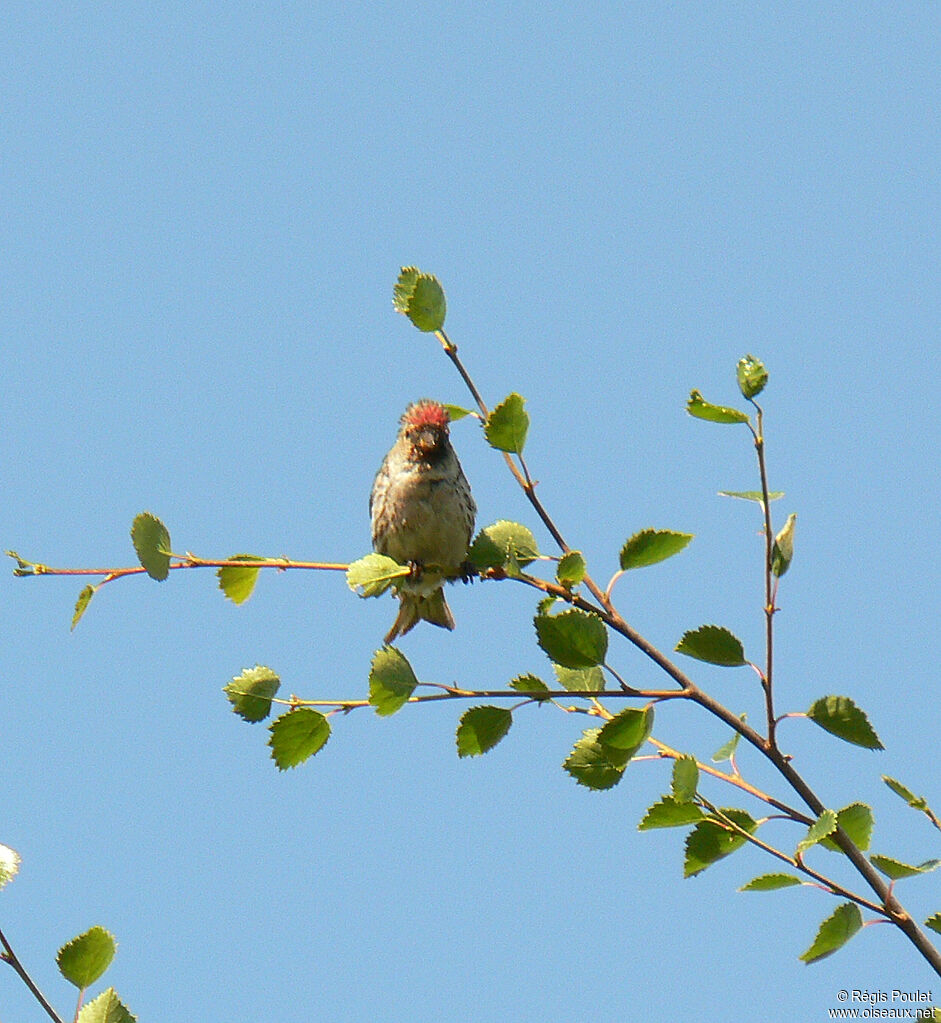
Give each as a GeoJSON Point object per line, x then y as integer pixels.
{"type": "Point", "coordinates": [205, 207]}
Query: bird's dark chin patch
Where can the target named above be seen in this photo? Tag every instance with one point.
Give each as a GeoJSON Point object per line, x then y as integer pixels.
{"type": "Point", "coordinates": [431, 454]}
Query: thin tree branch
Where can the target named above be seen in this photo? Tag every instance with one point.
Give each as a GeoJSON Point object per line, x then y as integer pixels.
{"type": "Point", "coordinates": [830, 885]}
{"type": "Point", "coordinates": [9, 956]}
{"type": "Point", "coordinates": [767, 680]}
{"type": "Point", "coordinates": [183, 561]}
{"type": "Point", "coordinates": [765, 746]}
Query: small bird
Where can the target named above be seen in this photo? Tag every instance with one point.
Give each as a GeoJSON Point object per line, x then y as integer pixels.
{"type": "Point", "coordinates": [422, 514]}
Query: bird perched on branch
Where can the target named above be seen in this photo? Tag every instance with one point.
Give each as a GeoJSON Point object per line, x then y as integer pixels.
{"type": "Point", "coordinates": [422, 515]}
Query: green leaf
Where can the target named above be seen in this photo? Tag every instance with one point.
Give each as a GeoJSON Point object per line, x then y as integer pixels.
{"type": "Point", "coordinates": [391, 681]}
{"type": "Point", "coordinates": [685, 778]}
{"type": "Point", "coordinates": [507, 425]}
{"type": "Point", "coordinates": [934, 922]}
{"type": "Point", "coordinates": [580, 680]}
{"type": "Point", "coordinates": [571, 569]}
{"type": "Point", "coordinates": [496, 544]}
{"type": "Point", "coordinates": [650, 546]}
{"type": "Point", "coordinates": [782, 551]}
{"type": "Point", "coordinates": [896, 869]}
{"type": "Point", "coordinates": [770, 883]}
{"type": "Point", "coordinates": [668, 812]}
{"type": "Point", "coordinates": [456, 412]}
{"type": "Point", "coordinates": [856, 820]}
{"type": "Point", "coordinates": [594, 765]}
{"type": "Point", "coordinates": [839, 716]}
{"type": "Point", "coordinates": [251, 692]}
{"type": "Point", "coordinates": [751, 375]}
{"type": "Point", "coordinates": [712, 839]}
{"type": "Point", "coordinates": [714, 645]}
{"type": "Point", "coordinates": [152, 543]}
{"type": "Point", "coordinates": [106, 1008]}
{"type": "Point", "coordinates": [916, 802]}
{"type": "Point", "coordinates": [700, 408]}
{"type": "Point", "coordinates": [84, 599]}
{"type": "Point", "coordinates": [627, 731]}
{"type": "Point", "coordinates": [727, 750]}
{"type": "Point", "coordinates": [297, 735]}
{"type": "Point", "coordinates": [752, 495]}
{"type": "Point", "coordinates": [834, 932]}
{"type": "Point", "coordinates": [480, 729]}
{"type": "Point", "coordinates": [824, 825]}
{"type": "Point", "coordinates": [529, 684]}
{"type": "Point", "coordinates": [236, 582]}
{"type": "Point", "coordinates": [574, 639]}
{"type": "Point", "coordinates": [374, 573]}
{"type": "Point", "coordinates": [420, 297]}
{"type": "Point", "coordinates": [85, 958]}
{"type": "Point", "coordinates": [9, 864]}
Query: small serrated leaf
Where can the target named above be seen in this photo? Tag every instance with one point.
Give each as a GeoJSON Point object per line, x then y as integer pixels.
{"type": "Point", "coordinates": [824, 825]}
{"type": "Point", "coordinates": [727, 750]}
{"type": "Point", "coordinates": [151, 541]}
{"type": "Point", "coordinates": [420, 297]}
{"type": "Point", "coordinates": [650, 546]}
{"type": "Point", "coordinates": [896, 869]}
{"type": "Point", "coordinates": [374, 574]}
{"type": "Point", "coordinates": [297, 735]}
{"type": "Point", "coordinates": [857, 821]}
{"type": "Point", "coordinates": [782, 551]}
{"type": "Point", "coordinates": [106, 1008]}
{"type": "Point", "coordinates": [626, 732]}
{"type": "Point", "coordinates": [752, 495]}
{"type": "Point", "coordinates": [391, 681]}
{"type": "Point", "coordinates": [668, 812]}
{"type": "Point", "coordinates": [834, 932]}
{"type": "Point", "coordinates": [496, 544]}
{"type": "Point", "coordinates": [770, 883]}
{"type": "Point", "coordinates": [507, 425]}
{"type": "Point", "coordinates": [700, 408]}
{"type": "Point", "coordinates": [751, 375]}
{"type": "Point", "coordinates": [574, 639]}
{"type": "Point", "coordinates": [84, 599]}
{"type": "Point", "coordinates": [529, 684]}
{"type": "Point", "coordinates": [839, 716]}
{"type": "Point", "coordinates": [685, 778]}
{"type": "Point", "coordinates": [571, 569]}
{"type": "Point", "coordinates": [85, 958]}
{"type": "Point", "coordinates": [546, 604]}
{"type": "Point", "coordinates": [580, 680]}
{"type": "Point", "coordinates": [713, 644]}
{"type": "Point", "coordinates": [593, 765]}
{"type": "Point", "coordinates": [934, 922]}
{"type": "Point", "coordinates": [9, 864]}
{"type": "Point", "coordinates": [915, 802]}
{"type": "Point", "coordinates": [236, 581]}
{"type": "Point", "coordinates": [251, 692]}
{"type": "Point", "coordinates": [481, 728]}
{"type": "Point", "coordinates": [713, 839]}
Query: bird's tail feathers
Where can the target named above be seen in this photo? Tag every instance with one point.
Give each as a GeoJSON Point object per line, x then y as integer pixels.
{"type": "Point", "coordinates": [413, 609]}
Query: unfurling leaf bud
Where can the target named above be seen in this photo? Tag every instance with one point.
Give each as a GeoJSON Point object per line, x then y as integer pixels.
{"type": "Point", "coordinates": [752, 376]}
{"type": "Point", "coordinates": [783, 550]}
{"type": "Point", "coordinates": [700, 408]}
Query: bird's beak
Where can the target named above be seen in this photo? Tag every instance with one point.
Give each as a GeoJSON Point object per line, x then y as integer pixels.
{"type": "Point", "coordinates": [427, 440]}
